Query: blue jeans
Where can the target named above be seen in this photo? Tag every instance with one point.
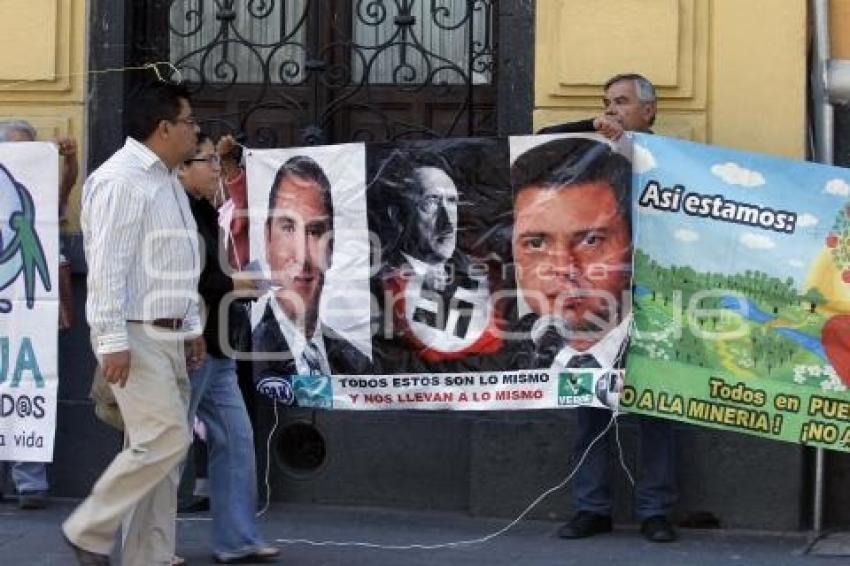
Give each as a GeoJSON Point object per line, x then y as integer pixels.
{"type": "Point", "coordinates": [232, 468]}
{"type": "Point", "coordinates": [656, 489]}
{"type": "Point", "coordinates": [29, 477]}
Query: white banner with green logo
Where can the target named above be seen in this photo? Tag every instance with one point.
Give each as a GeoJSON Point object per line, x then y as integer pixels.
{"type": "Point", "coordinates": [29, 299]}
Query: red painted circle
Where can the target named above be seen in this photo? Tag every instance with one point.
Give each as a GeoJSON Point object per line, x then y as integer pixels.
{"type": "Point", "coordinates": [835, 338]}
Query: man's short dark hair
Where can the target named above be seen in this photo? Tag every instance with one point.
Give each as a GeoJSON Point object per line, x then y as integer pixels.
{"type": "Point", "coordinates": [149, 104]}
{"type": "Point", "coordinates": [406, 188]}
{"type": "Point", "coordinates": [401, 189]}
{"type": "Point", "coordinates": [566, 162]}
{"type": "Point", "coordinates": [305, 168]}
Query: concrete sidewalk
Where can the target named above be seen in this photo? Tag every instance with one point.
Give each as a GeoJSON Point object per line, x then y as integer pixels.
{"type": "Point", "coordinates": [33, 538]}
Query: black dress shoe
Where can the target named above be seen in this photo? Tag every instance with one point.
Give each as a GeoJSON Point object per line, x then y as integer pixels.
{"type": "Point", "coordinates": [32, 500]}
{"type": "Point", "coordinates": [85, 557]}
{"type": "Point", "coordinates": [585, 524]}
{"type": "Point", "coordinates": [658, 529]}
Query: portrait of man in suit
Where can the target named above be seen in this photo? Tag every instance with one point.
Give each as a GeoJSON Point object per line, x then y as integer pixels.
{"type": "Point", "coordinates": [572, 252]}
{"type": "Point", "coordinates": [430, 234]}
{"type": "Point", "coordinates": [290, 339]}
{"type": "Point", "coordinates": [436, 297]}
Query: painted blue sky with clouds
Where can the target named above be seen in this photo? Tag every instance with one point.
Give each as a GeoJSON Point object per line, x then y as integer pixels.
{"type": "Point", "coordinates": [814, 192]}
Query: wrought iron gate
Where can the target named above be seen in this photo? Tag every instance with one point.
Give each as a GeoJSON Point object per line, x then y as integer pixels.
{"type": "Point", "coordinates": [302, 72]}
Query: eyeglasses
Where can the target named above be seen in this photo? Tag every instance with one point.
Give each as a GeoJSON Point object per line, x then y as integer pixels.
{"type": "Point", "coordinates": [190, 121]}
{"type": "Point", "coordinates": [213, 159]}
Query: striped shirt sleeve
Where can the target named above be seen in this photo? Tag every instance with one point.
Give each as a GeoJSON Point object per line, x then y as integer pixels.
{"type": "Point", "coordinates": [115, 214]}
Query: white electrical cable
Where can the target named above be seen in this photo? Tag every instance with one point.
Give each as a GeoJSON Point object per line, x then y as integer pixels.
{"type": "Point", "coordinates": [265, 508]}
{"type": "Point", "coordinates": [454, 544]}
{"type": "Point", "coordinates": [620, 452]}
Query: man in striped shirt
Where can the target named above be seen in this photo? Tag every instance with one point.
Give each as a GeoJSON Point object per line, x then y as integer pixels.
{"type": "Point", "coordinates": [142, 307]}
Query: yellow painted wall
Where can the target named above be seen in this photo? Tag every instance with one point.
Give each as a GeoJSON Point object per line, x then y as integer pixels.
{"type": "Point", "coordinates": [839, 24]}
{"type": "Point", "coordinates": [728, 72]}
{"type": "Point", "coordinates": [42, 71]}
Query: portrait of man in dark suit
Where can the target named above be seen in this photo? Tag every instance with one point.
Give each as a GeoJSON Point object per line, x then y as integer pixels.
{"type": "Point", "coordinates": [572, 252]}
{"type": "Point", "coordinates": [290, 339]}
{"type": "Point", "coordinates": [436, 297]}
{"type": "Point", "coordinates": [579, 273]}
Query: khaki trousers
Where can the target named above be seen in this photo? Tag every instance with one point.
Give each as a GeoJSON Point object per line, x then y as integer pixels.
{"type": "Point", "coordinates": [139, 488]}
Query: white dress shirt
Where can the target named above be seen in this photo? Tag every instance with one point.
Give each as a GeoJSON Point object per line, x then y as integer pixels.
{"type": "Point", "coordinates": [141, 246]}
{"type": "Point", "coordinates": [297, 342]}
{"type": "Point", "coordinates": [606, 351]}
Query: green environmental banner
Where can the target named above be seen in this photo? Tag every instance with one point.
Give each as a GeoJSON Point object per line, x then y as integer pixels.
{"type": "Point", "coordinates": [742, 292]}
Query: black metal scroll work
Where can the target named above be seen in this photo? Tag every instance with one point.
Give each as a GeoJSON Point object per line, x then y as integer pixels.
{"type": "Point", "coordinates": [321, 71]}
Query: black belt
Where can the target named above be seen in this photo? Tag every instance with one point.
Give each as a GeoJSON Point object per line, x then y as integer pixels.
{"type": "Point", "coordinates": [168, 323]}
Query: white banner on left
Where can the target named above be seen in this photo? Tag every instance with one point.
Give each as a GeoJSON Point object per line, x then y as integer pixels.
{"type": "Point", "coordinates": [29, 299]}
